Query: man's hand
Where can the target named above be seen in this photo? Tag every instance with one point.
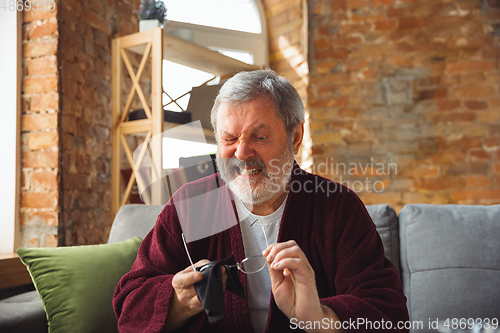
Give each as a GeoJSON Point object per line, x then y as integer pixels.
{"type": "Point", "coordinates": [185, 303]}
{"type": "Point", "coordinates": [293, 283]}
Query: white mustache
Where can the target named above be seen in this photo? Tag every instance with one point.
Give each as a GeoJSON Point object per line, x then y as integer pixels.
{"type": "Point", "coordinates": [234, 162]}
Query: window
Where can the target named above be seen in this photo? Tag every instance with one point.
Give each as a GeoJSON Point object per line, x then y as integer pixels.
{"type": "Point", "coordinates": [9, 130]}
{"type": "Point", "coordinates": [240, 15]}
{"type": "Point", "coordinates": [235, 28]}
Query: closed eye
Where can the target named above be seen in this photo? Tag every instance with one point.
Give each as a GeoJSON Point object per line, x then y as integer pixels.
{"type": "Point", "coordinates": [228, 140]}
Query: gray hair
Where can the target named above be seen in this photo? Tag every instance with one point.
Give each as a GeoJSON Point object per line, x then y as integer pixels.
{"type": "Point", "coordinates": [247, 86]}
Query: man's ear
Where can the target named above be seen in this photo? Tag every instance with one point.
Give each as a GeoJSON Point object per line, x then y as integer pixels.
{"type": "Point", "coordinates": [298, 135]}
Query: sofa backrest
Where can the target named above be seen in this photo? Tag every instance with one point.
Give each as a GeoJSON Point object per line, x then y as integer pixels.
{"type": "Point", "coordinates": [132, 221]}
{"type": "Point", "coordinates": [386, 221]}
{"type": "Point", "coordinates": [137, 220]}
{"type": "Point", "coordinates": [450, 261]}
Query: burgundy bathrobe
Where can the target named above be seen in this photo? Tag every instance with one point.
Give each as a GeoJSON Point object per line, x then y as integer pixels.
{"type": "Point", "coordinates": [327, 220]}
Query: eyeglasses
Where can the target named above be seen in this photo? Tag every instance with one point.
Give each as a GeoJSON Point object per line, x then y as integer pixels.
{"type": "Point", "coordinates": [249, 265]}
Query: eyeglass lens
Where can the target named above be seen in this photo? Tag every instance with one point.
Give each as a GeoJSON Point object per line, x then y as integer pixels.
{"type": "Point", "coordinates": [252, 265]}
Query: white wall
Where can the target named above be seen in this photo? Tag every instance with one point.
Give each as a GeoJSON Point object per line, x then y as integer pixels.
{"type": "Point", "coordinates": [9, 99]}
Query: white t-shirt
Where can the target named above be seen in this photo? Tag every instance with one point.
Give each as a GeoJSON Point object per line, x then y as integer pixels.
{"type": "Point", "coordinates": [254, 242]}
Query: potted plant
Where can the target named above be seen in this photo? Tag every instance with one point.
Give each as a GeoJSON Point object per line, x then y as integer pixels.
{"type": "Point", "coordinates": [152, 14]}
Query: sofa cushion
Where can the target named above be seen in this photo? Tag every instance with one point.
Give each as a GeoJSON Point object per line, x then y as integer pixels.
{"type": "Point", "coordinates": [386, 221]}
{"type": "Point", "coordinates": [76, 284]}
{"type": "Point", "coordinates": [22, 311]}
{"type": "Point", "coordinates": [133, 221]}
{"type": "Point", "coordinates": [450, 261]}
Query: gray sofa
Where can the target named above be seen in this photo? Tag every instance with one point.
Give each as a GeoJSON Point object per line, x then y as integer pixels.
{"type": "Point", "coordinates": [448, 258]}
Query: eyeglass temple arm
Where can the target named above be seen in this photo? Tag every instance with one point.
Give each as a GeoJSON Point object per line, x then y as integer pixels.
{"type": "Point", "coordinates": [264, 230]}
{"type": "Point", "coordinates": [187, 251]}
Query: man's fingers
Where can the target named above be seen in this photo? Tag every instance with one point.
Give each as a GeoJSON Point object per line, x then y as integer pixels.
{"type": "Point", "coordinates": [187, 277]}
{"type": "Point", "coordinates": [271, 251]}
{"type": "Point", "coordinates": [183, 280]}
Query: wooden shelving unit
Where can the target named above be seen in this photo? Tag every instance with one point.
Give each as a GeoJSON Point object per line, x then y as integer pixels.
{"type": "Point", "coordinates": [154, 46]}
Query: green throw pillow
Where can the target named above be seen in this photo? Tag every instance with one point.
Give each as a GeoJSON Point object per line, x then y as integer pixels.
{"type": "Point", "coordinates": [76, 284]}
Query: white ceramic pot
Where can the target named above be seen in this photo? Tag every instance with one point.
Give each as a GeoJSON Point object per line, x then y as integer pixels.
{"type": "Point", "coordinates": [145, 25]}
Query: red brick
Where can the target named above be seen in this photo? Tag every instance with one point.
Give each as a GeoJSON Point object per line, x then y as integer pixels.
{"type": "Point", "coordinates": [492, 142]}
{"type": "Point", "coordinates": [354, 4]}
{"type": "Point", "coordinates": [443, 183]}
{"type": "Point", "coordinates": [387, 25]}
{"type": "Point", "coordinates": [373, 50]}
{"type": "Point", "coordinates": [74, 6]}
{"type": "Point", "coordinates": [400, 60]}
{"type": "Point", "coordinates": [347, 41]}
{"type": "Point", "coordinates": [35, 15]}
{"type": "Point", "coordinates": [363, 28]}
{"type": "Point", "coordinates": [452, 117]}
{"type": "Point", "coordinates": [474, 92]}
{"type": "Point", "coordinates": [458, 43]}
{"type": "Point", "coordinates": [476, 196]}
{"type": "Point", "coordinates": [476, 105]}
{"type": "Point", "coordinates": [41, 84]}
{"type": "Point", "coordinates": [493, 52]}
{"type": "Point", "coordinates": [43, 140]}
{"type": "Point", "coordinates": [432, 94]}
{"type": "Point", "coordinates": [326, 67]}
{"type": "Point", "coordinates": [328, 102]}
{"type": "Point", "coordinates": [376, 3]}
{"type": "Point", "coordinates": [83, 164]}
{"type": "Point", "coordinates": [479, 154]}
{"type": "Point", "coordinates": [95, 20]}
{"type": "Point", "coordinates": [379, 198]}
{"type": "Point", "coordinates": [40, 199]}
{"type": "Point", "coordinates": [397, 12]}
{"type": "Point", "coordinates": [39, 122]}
{"type": "Point", "coordinates": [496, 169]}
{"type": "Point", "coordinates": [479, 65]}
{"type": "Point", "coordinates": [44, 102]}
{"type": "Point", "coordinates": [338, 5]}
{"type": "Point", "coordinates": [464, 143]}
{"type": "Point", "coordinates": [447, 21]}
{"type": "Point", "coordinates": [478, 181]}
{"type": "Point", "coordinates": [43, 65]}
{"type": "Point", "coordinates": [40, 159]}
{"type": "Point", "coordinates": [472, 78]}
{"type": "Point", "coordinates": [445, 105]}
{"type": "Point", "coordinates": [422, 171]}
{"type": "Point", "coordinates": [412, 22]}
{"type": "Point", "coordinates": [43, 47]}
{"type": "Point", "coordinates": [46, 28]}
{"type": "Point", "coordinates": [322, 43]}
{"type": "Point", "coordinates": [44, 180]}
{"type": "Point", "coordinates": [366, 18]}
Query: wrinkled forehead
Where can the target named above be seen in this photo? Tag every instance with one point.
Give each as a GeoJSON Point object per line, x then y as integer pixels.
{"type": "Point", "coordinates": [261, 105]}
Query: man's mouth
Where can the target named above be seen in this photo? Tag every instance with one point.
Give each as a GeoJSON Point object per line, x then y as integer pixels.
{"type": "Point", "coordinates": [248, 171]}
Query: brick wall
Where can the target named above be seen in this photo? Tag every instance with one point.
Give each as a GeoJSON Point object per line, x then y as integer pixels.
{"type": "Point", "coordinates": [40, 207]}
{"type": "Point", "coordinates": [66, 120]}
{"type": "Point", "coordinates": [288, 53]}
{"type": "Point", "coordinates": [87, 28]}
{"type": "Point", "coordinates": [403, 97]}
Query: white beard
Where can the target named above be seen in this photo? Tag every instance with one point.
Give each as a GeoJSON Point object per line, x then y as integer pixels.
{"type": "Point", "coordinates": [254, 192]}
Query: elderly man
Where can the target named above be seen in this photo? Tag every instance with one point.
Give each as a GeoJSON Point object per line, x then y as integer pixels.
{"type": "Point", "coordinates": [326, 269]}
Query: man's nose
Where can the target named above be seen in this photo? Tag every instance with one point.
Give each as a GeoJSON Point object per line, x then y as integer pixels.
{"type": "Point", "coordinates": [244, 151]}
